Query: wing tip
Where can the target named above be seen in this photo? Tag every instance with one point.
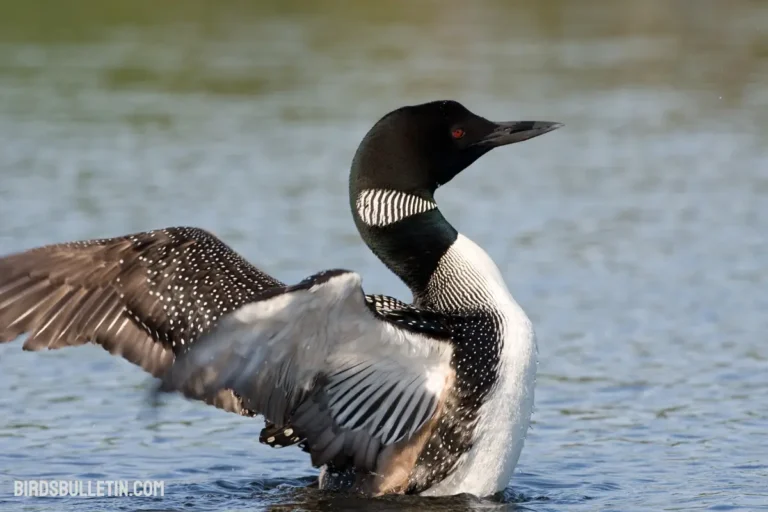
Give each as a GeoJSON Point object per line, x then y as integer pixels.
{"type": "Point", "coordinates": [334, 276]}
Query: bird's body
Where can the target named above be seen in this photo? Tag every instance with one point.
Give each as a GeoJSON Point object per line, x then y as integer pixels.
{"type": "Point", "coordinates": [497, 352]}
{"type": "Point", "coordinates": [433, 397]}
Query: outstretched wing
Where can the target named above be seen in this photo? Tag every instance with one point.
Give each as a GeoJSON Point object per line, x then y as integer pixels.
{"type": "Point", "coordinates": [350, 381]}
{"type": "Point", "coordinates": [146, 297]}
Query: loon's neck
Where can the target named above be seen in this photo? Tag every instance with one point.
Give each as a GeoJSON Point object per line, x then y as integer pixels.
{"type": "Point", "coordinates": [406, 231]}
{"type": "Point", "coordinates": [443, 269]}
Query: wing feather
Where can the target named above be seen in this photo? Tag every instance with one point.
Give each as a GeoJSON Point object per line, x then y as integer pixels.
{"type": "Point", "coordinates": [315, 355]}
{"type": "Point", "coordinates": [145, 296]}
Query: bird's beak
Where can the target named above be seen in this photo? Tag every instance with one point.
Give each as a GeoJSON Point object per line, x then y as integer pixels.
{"type": "Point", "coordinates": [516, 131]}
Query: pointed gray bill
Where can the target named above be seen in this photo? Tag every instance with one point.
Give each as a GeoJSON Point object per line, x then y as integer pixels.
{"type": "Point", "coordinates": [517, 131]}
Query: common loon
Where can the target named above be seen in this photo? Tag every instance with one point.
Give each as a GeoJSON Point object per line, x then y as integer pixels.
{"type": "Point", "coordinates": [430, 398]}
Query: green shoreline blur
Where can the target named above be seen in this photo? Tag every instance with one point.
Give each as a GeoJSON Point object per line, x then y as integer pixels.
{"type": "Point", "coordinates": [720, 45]}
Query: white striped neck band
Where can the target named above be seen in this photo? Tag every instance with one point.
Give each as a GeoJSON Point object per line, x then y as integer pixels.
{"type": "Point", "coordinates": [379, 207]}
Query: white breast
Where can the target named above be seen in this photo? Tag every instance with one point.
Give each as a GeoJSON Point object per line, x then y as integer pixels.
{"type": "Point", "coordinates": [505, 416]}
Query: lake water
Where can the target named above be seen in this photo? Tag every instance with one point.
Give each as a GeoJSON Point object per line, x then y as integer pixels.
{"type": "Point", "coordinates": [636, 238]}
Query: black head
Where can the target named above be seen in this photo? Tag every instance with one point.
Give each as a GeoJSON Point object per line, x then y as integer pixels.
{"type": "Point", "coordinates": [416, 149]}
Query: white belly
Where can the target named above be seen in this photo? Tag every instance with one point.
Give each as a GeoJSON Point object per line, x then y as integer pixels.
{"type": "Point", "coordinates": [504, 418]}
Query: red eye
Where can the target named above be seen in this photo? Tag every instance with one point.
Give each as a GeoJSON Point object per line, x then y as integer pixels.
{"type": "Point", "coordinates": [457, 133]}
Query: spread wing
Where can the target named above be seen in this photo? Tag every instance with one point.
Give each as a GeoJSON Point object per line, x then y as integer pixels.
{"type": "Point", "coordinates": [146, 297]}
{"type": "Point", "coordinates": [317, 355]}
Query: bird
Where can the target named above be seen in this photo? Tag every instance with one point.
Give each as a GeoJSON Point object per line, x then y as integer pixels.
{"type": "Point", "coordinates": [432, 397]}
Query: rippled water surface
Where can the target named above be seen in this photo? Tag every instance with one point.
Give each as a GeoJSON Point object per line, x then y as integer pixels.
{"type": "Point", "coordinates": [636, 238]}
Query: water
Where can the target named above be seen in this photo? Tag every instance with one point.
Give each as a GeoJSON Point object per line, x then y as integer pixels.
{"type": "Point", "coordinates": [635, 238]}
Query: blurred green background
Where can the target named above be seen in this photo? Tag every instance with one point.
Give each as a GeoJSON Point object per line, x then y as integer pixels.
{"type": "Point", "coordinates": [715, 49]}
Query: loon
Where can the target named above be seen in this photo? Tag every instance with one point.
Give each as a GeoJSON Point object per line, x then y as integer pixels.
{"type": "Point", "coordinates": [431, 398]}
